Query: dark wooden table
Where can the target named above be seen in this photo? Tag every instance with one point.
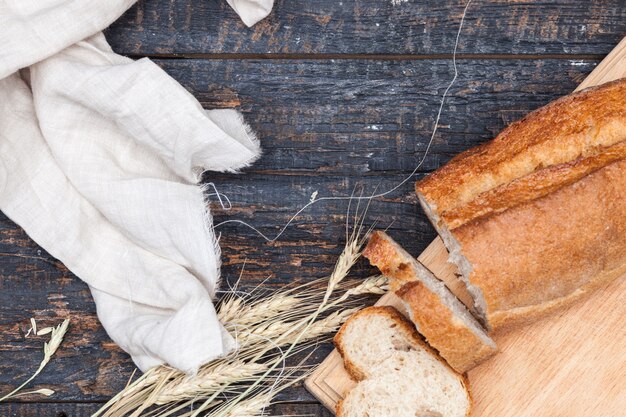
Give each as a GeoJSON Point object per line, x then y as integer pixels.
{"type": "Point", "coordinates": [342, 95]}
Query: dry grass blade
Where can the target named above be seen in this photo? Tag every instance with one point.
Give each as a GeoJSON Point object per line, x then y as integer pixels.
{"type": "Point", "coordinates": [43, 391]}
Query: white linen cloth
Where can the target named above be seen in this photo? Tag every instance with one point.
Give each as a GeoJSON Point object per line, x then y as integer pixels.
{"type": "Point", "coordinates": [100, 160]}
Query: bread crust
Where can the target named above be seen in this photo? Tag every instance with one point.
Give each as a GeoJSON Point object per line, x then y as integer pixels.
{"type": "Point", "coordinates": [539, 212]}
{"type": "Point", "coordinates": [382, 252]}
{"type": "Point", "coordinates": [403, 325]}
{"type": "Point", "coordinates": [550, 251]}
{"type": "Point", "coordinates": [458, 345]}
{"type": "Point", "coordinates": [531, 187]}
{"type": "Point", "coordinates": [566, 129]}
{"type": "Point", "coordinates": [443, 330]}
{"type": "Point", "coordinates": [384, 256]}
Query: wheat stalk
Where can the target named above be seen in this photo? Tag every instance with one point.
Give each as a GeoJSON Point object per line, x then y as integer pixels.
{"type": "Point", "coordinates": [346, 260]}
{"type": "Point", "coordinates": [330, 324]}
{"type": "Point", "coordinates": [236, 311]}
{"type": "Point", "coordinates": [373, 285]}
{"type": "Point", "coordinates": [291, 317]}
{"type": "Point", "coordinates": [252, 407]}
{"type": "Point", "coordinates": [49, 348]}
{"type": "Point", "coordinates": [210, 380]}
{"type": "Point", "coordinates": [215, 377]}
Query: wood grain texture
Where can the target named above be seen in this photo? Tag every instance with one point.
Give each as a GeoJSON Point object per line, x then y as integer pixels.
{"type": "Point", "coordinates": [570, 363]}
{"type": "Point", "coordinates": [313, 119]}
{"type": "Point", "coordinates": [53, 409]}
{"type": "Point", "coordinates": [356, 117]}
{"type": "Point", "coordinates": [415, 27]}
{"type": "Point", "coordinates": [353, 106]}
{"type": "Point", "coordinates": [613, 67]}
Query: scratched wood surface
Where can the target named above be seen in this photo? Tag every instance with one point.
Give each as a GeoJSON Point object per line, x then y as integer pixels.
{"type": "Point", "coordinates": [341, 94]}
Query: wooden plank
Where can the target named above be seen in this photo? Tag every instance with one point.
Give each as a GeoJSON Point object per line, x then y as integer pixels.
{"type": "Point", "coordinates": [613, 67]}
{"type": "Point", "coordinates": [47, 409]}
{"type": "Point", "coordinates": [570, 363]}
{"type": "Point", "coordinates": [535, 373]}
{"type": "Point", "coordinates": [359, 117]}
{"type": "Point", "coordinates": [52, 409]}
{"type": "Point", "coordinates": [313, 119]}
{"type": "Point", "coordinates": [415, 27]}
{"type": "Point", "coordinates": [89, 366]}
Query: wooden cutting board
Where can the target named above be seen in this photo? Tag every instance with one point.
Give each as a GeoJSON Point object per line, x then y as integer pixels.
{"type": "Point", "coordinates": [571, 364]}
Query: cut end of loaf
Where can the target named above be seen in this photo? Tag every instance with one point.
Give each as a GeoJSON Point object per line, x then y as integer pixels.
{"type": "Point", "coordinates": [456, 257]}
{"type": "Point", "coordinates": [438, 315]}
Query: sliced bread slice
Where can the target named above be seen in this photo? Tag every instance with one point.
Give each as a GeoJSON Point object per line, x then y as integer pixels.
{"type": "Point", "coordinates": [439, 316]}
{"type": "Point", "coordinates": [400, 375]}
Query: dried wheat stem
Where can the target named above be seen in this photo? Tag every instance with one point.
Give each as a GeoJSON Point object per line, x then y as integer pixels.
{"type": "Point", "coordinates": [209, 380]}
{"type": "Point", "coordinates": [49, 348]}
{"type": "Point", "coordinates": [346, 261]}
{"type": "Point", "coordinates": [252, 407]}
{"type": "Point", "coordinates": [135, 392]}
{"type": "Point", "coordinates": [329, 324]}
{"type": "Point", "coordinates": [372, 285]}
{"type": "Point", "coordinates": [154, 394]}
{"type": "Point", "coordinates": [235, 311]}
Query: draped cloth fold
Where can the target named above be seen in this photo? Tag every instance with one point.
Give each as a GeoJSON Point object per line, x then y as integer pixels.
{"type": "Point", "coordinates": [100, 163]}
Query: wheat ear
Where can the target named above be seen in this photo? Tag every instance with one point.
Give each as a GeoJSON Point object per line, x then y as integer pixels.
{"type": "Point", "coordinates": [49, 348]}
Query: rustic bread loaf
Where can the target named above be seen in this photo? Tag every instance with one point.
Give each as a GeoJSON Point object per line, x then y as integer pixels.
{"type": "Point", "coordinates": [400, 376]}
{"type": "Point", "coordinates": [537, 217]}
{"type": "Point", "coordinates": [438, 315]}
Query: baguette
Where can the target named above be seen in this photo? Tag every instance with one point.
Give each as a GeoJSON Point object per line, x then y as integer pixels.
{"type": "Point", "coordinates": [399, 374]}
{"type": "Point", "coordinates": [536, 218]}
{"type": "Point", "coordinates": [439, 316]}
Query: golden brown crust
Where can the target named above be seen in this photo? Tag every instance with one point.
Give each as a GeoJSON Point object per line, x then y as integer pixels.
{"type": "Point", "coordinates": [456, 343]}
{"type": "Point", "coordinates": [538, 256]}
{"type": "Point", "coordinates": [530, 187]}
{"type": "Point", "coordinates": [384, 255]}
{"type": "Point", "coordinates": [339, 409]}
{"type": "Point", "coordinates": [566, 129]}
{"type": "Point", "coordinates": [538, 212]}
{"type": "Point", "coordinates": [445, 332]}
